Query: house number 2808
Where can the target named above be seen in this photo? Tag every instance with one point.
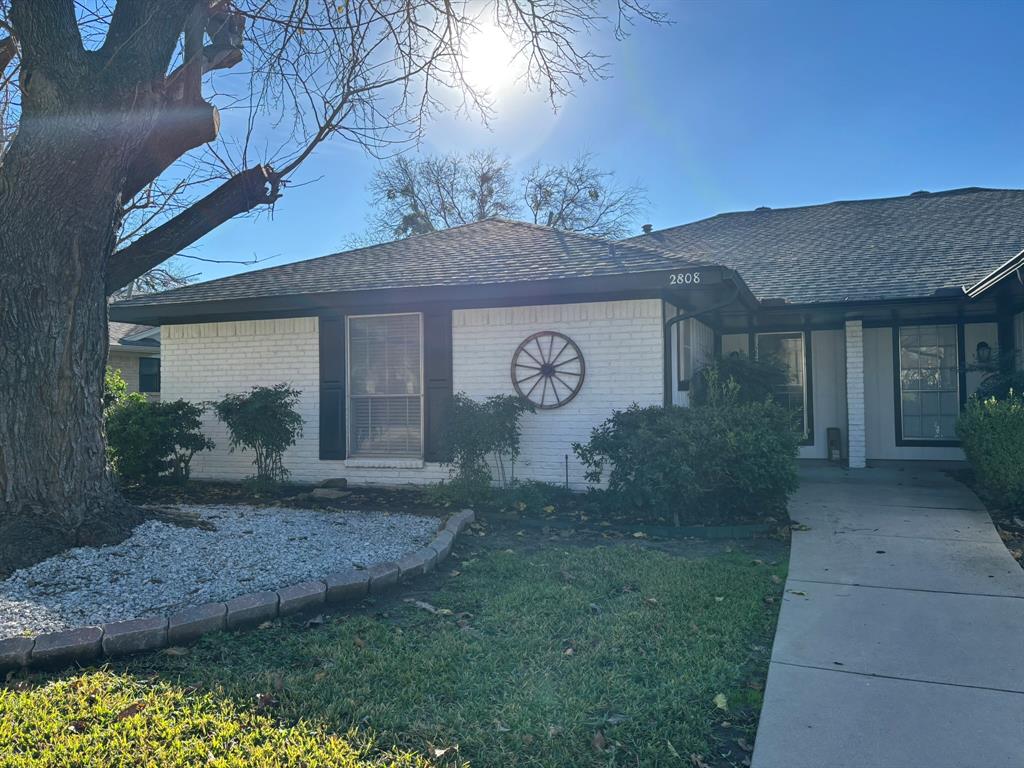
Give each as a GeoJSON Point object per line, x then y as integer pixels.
{"type": "Point", "coordinates": [684, 278]}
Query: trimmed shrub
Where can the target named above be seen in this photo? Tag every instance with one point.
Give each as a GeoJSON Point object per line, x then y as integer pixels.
{"type": "Point", "coordinates": [148, 440]}
{"type": "Point", "coordinates": [479, 435]}
{"type": "Point", "coordinates": [265, 420]}
{"type": "Point", "coordinates": [721, 462]}
{"type": "Point", "coordinates": [991, 431]}
{"type": "Point", "coordinates": [115, 390]}
{"type": "Point", "coordinates": [756, 380]}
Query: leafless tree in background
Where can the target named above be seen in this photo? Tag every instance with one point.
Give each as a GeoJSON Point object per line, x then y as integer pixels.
{"type": "Point", "coordinates": [411, 196]}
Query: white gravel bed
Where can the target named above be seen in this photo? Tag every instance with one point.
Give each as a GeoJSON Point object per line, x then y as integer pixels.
{"type": "Point", "coordinates": [162, 567]}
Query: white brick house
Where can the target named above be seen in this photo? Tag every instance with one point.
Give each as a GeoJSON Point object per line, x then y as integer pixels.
{"type": "Point", "coordinates": [888, 312]}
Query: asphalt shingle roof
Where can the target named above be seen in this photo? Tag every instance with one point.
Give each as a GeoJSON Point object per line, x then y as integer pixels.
{"type": "Point", "coordinates": [890, 248]}
{"type": "Point", "coordinates": [117, 332]}
{"type": "Point", "coordinates": [485, 252]}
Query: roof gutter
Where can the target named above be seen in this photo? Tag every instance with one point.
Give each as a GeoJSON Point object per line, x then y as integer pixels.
{"type": "Point", "coordinates": [997, 275]}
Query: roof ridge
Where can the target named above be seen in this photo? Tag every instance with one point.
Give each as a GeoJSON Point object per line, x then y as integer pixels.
{"type": "Point", "coordinates": [768, 210]}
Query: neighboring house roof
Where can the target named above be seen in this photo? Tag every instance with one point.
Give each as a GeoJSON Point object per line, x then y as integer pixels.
{"type": "Point", "coordinates": [133, 335]}
{"type": "Point", "coordinates": [925, 244]}
{"type": "Point", "coordinates": [492, 251]}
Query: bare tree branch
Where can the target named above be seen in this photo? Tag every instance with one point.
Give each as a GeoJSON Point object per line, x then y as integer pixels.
{"type": "Point", "coordinates": [241, 193]}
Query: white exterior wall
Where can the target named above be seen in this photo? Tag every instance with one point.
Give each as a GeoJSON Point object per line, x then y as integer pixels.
{"type": "Point", "coordinates": [206, 361]}
{"type": "Point", "coordinates": [828, 384]}
{"type": "Point", "coordinates": [621, 342]}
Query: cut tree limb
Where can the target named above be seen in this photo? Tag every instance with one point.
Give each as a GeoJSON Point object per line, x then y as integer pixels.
{"type": "Point", "coordinates": [241, 193]}
{"type": "Point", "coordinates": [180, 128]}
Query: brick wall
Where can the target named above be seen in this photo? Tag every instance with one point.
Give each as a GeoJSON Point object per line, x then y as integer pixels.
{"type": "Point", "coordinates": [855, 393]}
{"type": "Point", "coordinates": [620, 341]}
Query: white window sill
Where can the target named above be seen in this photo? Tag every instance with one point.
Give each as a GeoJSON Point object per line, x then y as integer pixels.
{"type": "Point", "coordinates": [384, 463]}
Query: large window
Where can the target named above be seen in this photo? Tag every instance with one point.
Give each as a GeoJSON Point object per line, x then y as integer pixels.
{"type": "Point", "coordinates": [929, 382]}
{"type": "Point", "coordinates": [788, 348]}
{"type": "Point", "coordinates": [385, 403]}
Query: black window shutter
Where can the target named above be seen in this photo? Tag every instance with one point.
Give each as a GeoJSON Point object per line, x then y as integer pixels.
{"type": "Point", "coordinates": [437, 375]}
{"type": "Point", "coordinates": [332, 387]}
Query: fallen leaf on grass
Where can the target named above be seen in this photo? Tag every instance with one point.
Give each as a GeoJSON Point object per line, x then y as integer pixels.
{"type": "Point", "coordinates": [78, 726]}
{"type": "Point", "coordinates": [315, 621]}
{"type": "Point", "coordinates": [358, 642]}
{"type": "Point", "coordinates": [720, 701]}
{"type": "Point", "coordinates": [697, 761]}
{"type": "Point", "coordinates": [554, 730]}
{"type": "Point", "coordinates": [569, 651]}
{"type": "Point", "coordinates": [265, 701]}
{"type": "Point", "coordinates": [719, 598]}
{"type": "Point", "coordinates": [639, 535]}
{"type": "Point", "coordinates": [549, 510]}
{"type": "Point", "coordinates": [175, 650]}
{"type": "Point", "coordinates": [320, 676]}
{"type": "Point", "coordinates": [776, 579]}
{"type": "Point", "coordinates": [599, 742]}
{"type": "Point", "coordinates": [651, 600]}
{"type": "Point", "coordinates": [742, 743]}
{"type": "Point", "coordinates": [131, 709]}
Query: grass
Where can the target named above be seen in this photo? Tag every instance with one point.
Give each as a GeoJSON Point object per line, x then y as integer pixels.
{"type": "Point", "coordinates": [586, 657]}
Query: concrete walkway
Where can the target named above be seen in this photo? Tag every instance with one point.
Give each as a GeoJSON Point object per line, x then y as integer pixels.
{"type": "Point", "coordinates": [901, 637]}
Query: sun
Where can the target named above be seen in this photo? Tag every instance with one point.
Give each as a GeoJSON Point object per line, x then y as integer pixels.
{"type": "Point", "coordinates": [489, 62]}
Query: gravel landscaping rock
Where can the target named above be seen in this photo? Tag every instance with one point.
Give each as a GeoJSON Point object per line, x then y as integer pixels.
{"type": "Point", "coordinates": [162, 568]}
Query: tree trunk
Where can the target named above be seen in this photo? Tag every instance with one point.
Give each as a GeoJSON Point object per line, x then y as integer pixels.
{"type": "Point", "coordinates": [60, 184]}
{"type": "Point", "coordinates": [57, 227]}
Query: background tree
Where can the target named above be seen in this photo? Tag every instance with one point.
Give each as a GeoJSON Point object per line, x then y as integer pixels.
{"type": "Point", "coordinates": [580, 198]}
{"type": "Point", "coordinates": [105, 97]}
{"type": "Point", "coordinates": [412, 196]}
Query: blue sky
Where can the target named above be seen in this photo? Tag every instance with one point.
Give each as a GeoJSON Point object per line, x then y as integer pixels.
{"type": "Point", "coordinates": [733, 106]}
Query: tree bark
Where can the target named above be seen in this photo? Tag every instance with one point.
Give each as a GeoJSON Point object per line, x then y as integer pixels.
{"type": "Point", "coordinates": [82, 124]}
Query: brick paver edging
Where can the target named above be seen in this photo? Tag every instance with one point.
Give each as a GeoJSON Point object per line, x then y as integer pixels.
{"type": "Point", "coordinates": [120, 638]}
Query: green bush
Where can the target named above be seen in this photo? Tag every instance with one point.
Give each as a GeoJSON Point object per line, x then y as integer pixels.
{"type": "Point", "coordinates": [756, 380]}
{"type": "Point", "coordinates": [991, 431]}
{"type": "Point", "coordinates": [115, 390]}
{"type": "Point", "coordinates": [147, 440]}
{"type": "Point", "coordinates": [265, 420]}
{"type": "Point", "coordinates": [479, 435]}
{"type": "Point", "coordinates": [724, 461]}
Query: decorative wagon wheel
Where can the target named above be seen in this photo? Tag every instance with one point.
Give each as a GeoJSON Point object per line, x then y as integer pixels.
{"type": "Point", "coordinates": [548, 369]}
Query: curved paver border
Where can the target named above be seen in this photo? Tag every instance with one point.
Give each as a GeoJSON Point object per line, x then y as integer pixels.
{"type": "Point", "coordinates": [121, 638]}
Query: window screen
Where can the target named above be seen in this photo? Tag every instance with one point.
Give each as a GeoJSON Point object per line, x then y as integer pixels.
{"type": "Point", "coordinates": [929, 382]}
{"type": "Point", "coordinates": [385, 386]}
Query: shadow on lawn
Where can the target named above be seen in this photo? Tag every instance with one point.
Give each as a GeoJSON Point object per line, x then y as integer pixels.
{"type": "Point", "coordinates": [572, 650]}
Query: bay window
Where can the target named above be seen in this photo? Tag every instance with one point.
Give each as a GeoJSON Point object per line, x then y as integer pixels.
{"type": "Point", "coordinates": [929, 381]}
{"type": "Point", "coordinates": [385, 386]}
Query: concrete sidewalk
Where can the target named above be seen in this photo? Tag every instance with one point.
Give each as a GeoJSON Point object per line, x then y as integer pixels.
{"type": "Point", "coordinates": [901, 637]}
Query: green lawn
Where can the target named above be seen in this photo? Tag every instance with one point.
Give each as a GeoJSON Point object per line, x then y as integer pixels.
{"type": "Point", "coordinates": [578, 657]}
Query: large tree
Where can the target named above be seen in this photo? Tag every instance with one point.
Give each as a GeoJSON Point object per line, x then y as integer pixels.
{"type": "Point", "coordinates": [100, 99]}
{"type": "Point", "coordinates": [411, 196]}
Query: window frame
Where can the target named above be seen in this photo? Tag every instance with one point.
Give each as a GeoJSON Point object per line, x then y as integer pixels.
{"type": "Point", "coordinates": [685, 332]}
{"type": "Point", "coordinates": [350, 422]}
{"type": "Point", "coordinates": [157, 374]}
{"type": "Point", "coordinates": [897, 379]}
{"type": "Point", "coordinates": [753, 348]}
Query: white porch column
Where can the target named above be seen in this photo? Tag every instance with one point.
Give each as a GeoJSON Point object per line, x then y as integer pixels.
{"type": "Point", "coordinates": [855, 393]}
